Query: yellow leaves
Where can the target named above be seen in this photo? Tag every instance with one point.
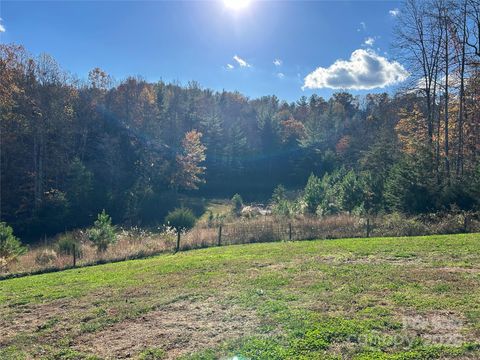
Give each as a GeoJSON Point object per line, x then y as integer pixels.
{"type": "Point", "coordinates": [189, 168]}
{"type": "Point", "coordinates": [412, 129]}
{"type": "Point", "coordinates": [12, 68]}
{"type": "Point", "coordinates": [148, 95]}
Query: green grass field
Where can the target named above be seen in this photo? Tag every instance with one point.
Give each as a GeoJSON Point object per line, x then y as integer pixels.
{"type": "Point", "coordinates": [382, 298]}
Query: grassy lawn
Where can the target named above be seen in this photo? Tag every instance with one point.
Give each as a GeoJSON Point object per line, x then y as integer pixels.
{"type": "Point", "coordinates": [382, 298]}
{"type": "Point", "coordinates": [217, 207]}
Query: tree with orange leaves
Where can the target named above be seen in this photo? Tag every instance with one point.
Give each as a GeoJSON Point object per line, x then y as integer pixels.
{"type": "Point", "coordinates": [189, 169]}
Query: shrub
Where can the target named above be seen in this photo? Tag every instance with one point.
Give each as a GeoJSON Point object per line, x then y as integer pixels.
{"type": "Point", "coordinates": [396, 224]}
{"type": "Point", "coordinates": [237, 203]}
{"type": "Point", "coordinates": [455, 222]}
{"type": "Point", "coordinates": [10, 246]}
{"type": "Point", "coordinates": [351, 193]}
{"type": "Point", "coordinates": [279, 194]}
{"type": "Point", "coordinates": [210, 218]}
{"type": "Point", "coordinates": [181, 219]}
{"type": "Point", "coordinates": [283, 208]}
{"type": "Point", "coordinates": [280, 204]}
{"type": "Point", "coordinates": [313, 194]}
{"type": "Point", "coordinates": [332, 193]}
{"type": "Point", "coordinates": [103, 232]}
{"type": "Point", "coordinates": [67, 244]}
{"type": "Point", "coordinates": [45, 257]}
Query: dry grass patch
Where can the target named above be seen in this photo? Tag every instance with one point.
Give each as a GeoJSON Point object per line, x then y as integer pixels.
{"type": "Point", "coordinates": [31, 319]}
{"type": "Point", "coordinates": [435, 327]}
{"type": "Point", "coordinates": [178, 328]}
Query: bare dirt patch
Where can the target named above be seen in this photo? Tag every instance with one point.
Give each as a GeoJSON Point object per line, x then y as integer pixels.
{"type": "Point", "coordinates": [32, 318]}
{"type": "Point", "coordinates": [178, 328]}
{"type": "Point", "coordinates": [450, 269]}
{"type": "Point", "coordinates": [444, 328]}
{"type": "Point", "coordinates": [376, 260]}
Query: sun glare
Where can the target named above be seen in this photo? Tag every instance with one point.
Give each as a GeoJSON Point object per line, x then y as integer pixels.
{"type": "Point", "coordinates": [237, 4]}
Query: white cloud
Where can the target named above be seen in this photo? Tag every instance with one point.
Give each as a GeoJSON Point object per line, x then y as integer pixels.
{"type": "Point", "coordinates": [277, 62]}
{"type": "Point", "coordinates": [241, 62]}
{"type": "Point", "coordinates": [2, 27]}
{"type": "Point", "coordinates": [230, 67]}
{"type": "Point", "coordinates": [365, 70]}
{"type": "Point", "coordinates": [394, 12]}
{"type": "Point", "coordinates": [280, 75]}
{"type": "Point", "coordinates": [369, 41]}
{"type": "Point", "coordinates": [363, 26]}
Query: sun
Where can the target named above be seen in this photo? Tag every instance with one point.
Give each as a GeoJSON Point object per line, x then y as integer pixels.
{"type": "Point", "coordinates": [237, 4]}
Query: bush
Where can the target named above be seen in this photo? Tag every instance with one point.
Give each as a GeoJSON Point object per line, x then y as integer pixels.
{"type": "Point", "coordinates": [181, 219]}
{"type": "Point", "coordinates": [283, 208]}
{"type": "Point", "coordinates": [10, 246]}
{"type": "Point", "coordinates": [279, 194]}
{"type": "Point", "coordinates": [45, 257]}
{"type": "Point", "coordinates": [67, 244]}
{"type": "Point", "coordinates": [313, 194]}
{"type": "Point", "coordinates": [331, 201]}
{"type": "Point", "coordinates": [454, 222]}
{"type": "Point", "coordinates": [397, 224]}
{"type": "Point", "coordinates": [352, 191]}
{"type": "Point", "coordinates": [280, 204]}
{"type": "Point", "coordinates": [103, 232]}
{"type": "Point", "coordinates": [237, 203]}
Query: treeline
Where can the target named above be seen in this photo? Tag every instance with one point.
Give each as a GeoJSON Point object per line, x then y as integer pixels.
{"type": "Point", "coordinates": [70, 148]}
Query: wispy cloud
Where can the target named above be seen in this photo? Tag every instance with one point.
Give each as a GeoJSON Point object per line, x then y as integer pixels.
{"type": "Point", "coordinates": [363, 26]}
{"type": "Point", "coordinates": [230, 67]}
{"type": "Point", "coordinates": [2, 27]}
{"type": "Point", "coordinates": [277, 62]}
{"type": "Point", "coordinates": [363, 71]}
{"type": "Point", "coordinates": [369, 41]}
{"type": "Point", "coordinates": [241, 62]}
{"type": "Point", "coordinates": [394, 12]}
{"type": "Point", "coordinates": [280, 75]}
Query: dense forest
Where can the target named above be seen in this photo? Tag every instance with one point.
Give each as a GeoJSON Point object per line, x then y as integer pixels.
{"type": "Point", "coordinates": [72, 147]}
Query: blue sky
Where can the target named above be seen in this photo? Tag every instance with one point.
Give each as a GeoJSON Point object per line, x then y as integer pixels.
{"type": "Point", "coordinates": [198, 40]}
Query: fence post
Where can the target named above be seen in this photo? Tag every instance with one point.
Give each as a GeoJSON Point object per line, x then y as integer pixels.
{"type": "Point", "coordinates": [220, 235]}
{"type": "Point", "coordinates": [177, 248]}
{"type": "Point", "coordinates": [74, 255]}
{"type": "Point", "coordinates": [465, 223]}
{"type": "Point", "coordinates": [290, 231]}
{"type": "Point", "coordinates": [368, 227]}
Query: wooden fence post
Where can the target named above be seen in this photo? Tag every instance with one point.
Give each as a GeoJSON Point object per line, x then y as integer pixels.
{"type": "Point", "coordinates": [220, 235]}
{"type": "Point", "coordinates": [465, 223]}
{"type": "Point", "coordinates": [178, 241]}
{"type": "Point", "coordinates": [368, 227]}
{"type": "Point", "coordinates": [290, 231]}
{"type": "Point", "coordinates": [74, 255]}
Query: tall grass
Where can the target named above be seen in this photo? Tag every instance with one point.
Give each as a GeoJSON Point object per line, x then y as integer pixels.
{"type": "Point", "coordinates": [132, 243]}
{"type": "Point", "coordinates": [135, 242]}
{"type": "Point", "coordinates": [277, 228]}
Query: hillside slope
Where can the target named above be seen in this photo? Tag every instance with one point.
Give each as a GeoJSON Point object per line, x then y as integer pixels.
{"type": "Point", "coordinates": [383, 298]}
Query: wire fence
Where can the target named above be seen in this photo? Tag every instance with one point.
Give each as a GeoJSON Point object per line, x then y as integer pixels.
{"type": "Point", "coordinates": [270, 228]}
{"type": "Point", "coordinates": [137, 243]}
